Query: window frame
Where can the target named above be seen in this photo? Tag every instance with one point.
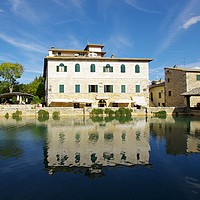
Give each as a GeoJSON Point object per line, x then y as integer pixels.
{"type": "Point", "coordinates": [61, 88]}
{"type": "Point", "coordinates": [137, 69]}
{"type": "Point", "coordinates": [77, 67]}
{"type": "Point", "coordinates": [123, 88]}
{"type": "Point", "coordinates": [77, 88]}
{"type": "Point", "coordinates": [123, 68]}
{"type": "Point", "coordinates": [137, 88]}
{"type": "Point", "coordinates": [198, 77]}
{"type": "Point", "coordinates": [92, 68]}
{"type": "Point", "coordinates": [108, 88]}
{"type": "Point", "coordinates": [91, 87]}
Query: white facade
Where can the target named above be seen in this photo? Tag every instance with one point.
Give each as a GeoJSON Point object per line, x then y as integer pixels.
{"type": "Point", "coordinates": [86, 77]}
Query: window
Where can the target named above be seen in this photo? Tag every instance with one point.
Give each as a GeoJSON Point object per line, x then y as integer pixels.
{"type": "Point", "coordinates": [61, 68]}
{"type": "Point", "coordinates": [108, 88]}
{"type": "Point", "coordinates": [61, 88]}
{"type": "Point", "coordinates": [93, 88]}
{"type": "Point", "coordinates": [77, 88]}
{"type": "Point", "coordinates": [59, 53]}
{"type": "Point", "coordinates": [123, 88]}
{"type": "Point", "coordinates": [123, 68]}
{"type": "Point", "coordinates": [137, 88]}
{"type": "Point", "coordinates": [170, 93]}
{"type": "Point", "coordinates": [198, 77]}
{"type": "Point", "coordinates": [92, 68]}
{"type": "Point", "coordinates": [159, 95]}
{"type": "Point", "coordinates": [137, 69]}
{"type": "Point", "coordinates": [168, 80]}
{"type": "Point", "coordinates": [77, 68]}
{"type": "Point", "coordinates": [107, 68]}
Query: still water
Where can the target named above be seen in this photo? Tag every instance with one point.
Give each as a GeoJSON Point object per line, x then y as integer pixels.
{"type": "Point", "coordinates": [83, 158]}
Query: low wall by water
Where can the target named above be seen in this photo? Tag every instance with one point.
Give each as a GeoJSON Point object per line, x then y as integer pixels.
{"type": "Point", "coordinates": [32, 110]}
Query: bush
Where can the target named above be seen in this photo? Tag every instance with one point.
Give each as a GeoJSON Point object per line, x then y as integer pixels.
{"type": "Point", "coordinates": [96, 111]}
{"type": "Point", "coordinates": [56, 115]}
{"type": "Point", "coordinates": [109, 112]}
{"type": "Point", "coordinates": [123, 112]}
{"type": "Point", "coordinates": [43, 115]}
{"type": "Point", "coordinates": [6, 115]}
{"type": "Point", "coordinates": [17, 115]}
{"type": "Point", "coordinates": [161, 114]}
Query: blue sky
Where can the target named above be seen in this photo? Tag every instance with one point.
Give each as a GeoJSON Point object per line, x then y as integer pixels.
{"type": "Point", "coordinates": [166, 30]}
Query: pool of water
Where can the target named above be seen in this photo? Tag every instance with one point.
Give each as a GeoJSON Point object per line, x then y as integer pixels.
{"type": "Point", "coordinates": [100, 158]}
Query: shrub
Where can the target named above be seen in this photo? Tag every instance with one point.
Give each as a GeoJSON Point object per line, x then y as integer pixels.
{"type": "Point", "coordinates": [17, 115]}
{"type": "Point", "coordinates": [56, 115]}
{"type": "Point", "coordinates": [161, 114]}
{"type": "Point", "coordinates": [43, 115]}
{"type": "Point", "coordinates": [96, 111]}
{"type": "Point", "coordinates": [123, 112]}
{"type": "Point", "coordinates": [109, 112]}
{"type": "Point", "coordinates": [6, 115]}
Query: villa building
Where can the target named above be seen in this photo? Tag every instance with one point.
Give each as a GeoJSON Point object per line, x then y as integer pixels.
{"type": "Point", "coordinates": [179, 81]}
{"type": "Point", "coordinates": [85, 78]}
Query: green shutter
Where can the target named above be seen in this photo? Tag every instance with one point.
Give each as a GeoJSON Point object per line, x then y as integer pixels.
{"type": "Point", "coordinates": [77, 88]}
{"type": "Point", "coordinates": [137, 69]}
{"type": "Point", "coordinates": [104, 69]}
{"type": "Point", "coordinates": [123, 88]}
{"type": "Point", "coordinates": [89, 88]}
{"type": "Point", "coordinates": [105, 88]}
{"type": "Point", "coordinates": [77, 68]}
{"type": "Point", "coordinates": [92, 68]}
{"type": "Point", "coordinates": [111, 69]}
{"type": "Point", "coordinates": [137, 88]}
{"type": "Point", "coordinates": [61, 88]}
{"type": "Point", "coordinates": [57, 68]}
{"type": "Point", "coordinates": [97, 88]}
{"type": "Point", "coordinates": [122, 68]}
{"type": "Point", "coordinates": [111, 88]}
{"type": "Point", "coordinates": [198, 77]}
{"type": "Point", "coordinates": [65, 68]}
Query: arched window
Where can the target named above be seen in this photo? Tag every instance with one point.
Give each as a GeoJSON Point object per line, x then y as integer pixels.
{"type": "Point", "coordinates": [61, 68]}
{"type": "Point", "coordinates": [108, 68]}
{"type": "Point", "coordinates": [77, 67]}
{"type": "Point", "coordinates": [123, 68]}
{"type": "Point", "coordinates": [137, 69]}
{"type": "Point", "coordinates": [92, 68]}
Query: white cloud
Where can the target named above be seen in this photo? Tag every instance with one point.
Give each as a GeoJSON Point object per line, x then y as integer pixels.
{"type": "Point", "coordinates": [191, 21]}
{"type": "Point", "coordinates": [22, 44]}
{"type": "Point", "coordinates": [175, 21]}
{"type": "Point", "coordinates": [135, 4]}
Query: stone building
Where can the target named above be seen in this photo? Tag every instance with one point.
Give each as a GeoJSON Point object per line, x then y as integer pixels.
{"type": "Point", "coordinates": [157, 93]}
{"type": "Point", "coordinates": [178, 81]}
{"type": "Point", "coordinates": [79, 78]}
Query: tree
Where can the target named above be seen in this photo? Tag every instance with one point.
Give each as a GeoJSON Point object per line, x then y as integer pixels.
{"type": "Point", "coordinates": [9, 72]}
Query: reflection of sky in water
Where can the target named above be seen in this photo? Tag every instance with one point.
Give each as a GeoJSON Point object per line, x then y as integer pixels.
{"type": "Point", "coordinates": [143, 158]}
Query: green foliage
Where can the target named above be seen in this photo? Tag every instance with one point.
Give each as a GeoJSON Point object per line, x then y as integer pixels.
{"type": "Point", "coordinates": [9, 72]}
{"type": "Point", "coordinates": [96, 112]}
{"type": "Point", "coordinates": [161, 114]}
{"type": "Point", "coordinates": [56, 115]}
{"type": "Point", "coordinates": [123, 112]}
{"type": "Point", "coordinates": [43, 115]}
{"type": "Point", "coordinates": [36, 100]}
{"type": "Point", "coordinates": [109, 112]}
{"type": "Point", "coordinates": [6, 115]}
{"type": "Point", "coordinates": [17, 115]}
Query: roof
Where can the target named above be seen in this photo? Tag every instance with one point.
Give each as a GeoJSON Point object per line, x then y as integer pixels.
{"type": "Point", "coordinates": [162, 84]}
{"type": "Point", "coordinates": [193, 92]}
{"type": "Point", "coordinates": [12, 94]}
{"type": "Point", "coordinates": [98, 58]}
{"type": "Point", "coordinates": [184, 69]}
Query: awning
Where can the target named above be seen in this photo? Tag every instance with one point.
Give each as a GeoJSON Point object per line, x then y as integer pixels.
{"type": "Point", "coordinates": [122, 101]}
{"type": "Point", "coordinates": [83, 101]}
{"type": "Point", "coordinates": [139, 101]}
{"type": "Point", "coordinates": [62, 100]}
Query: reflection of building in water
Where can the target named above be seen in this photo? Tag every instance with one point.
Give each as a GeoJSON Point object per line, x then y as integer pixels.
{"type": "Point", "coordinates": [182, 134]}
{"type": "Point", "coordinates": [97, 144]}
